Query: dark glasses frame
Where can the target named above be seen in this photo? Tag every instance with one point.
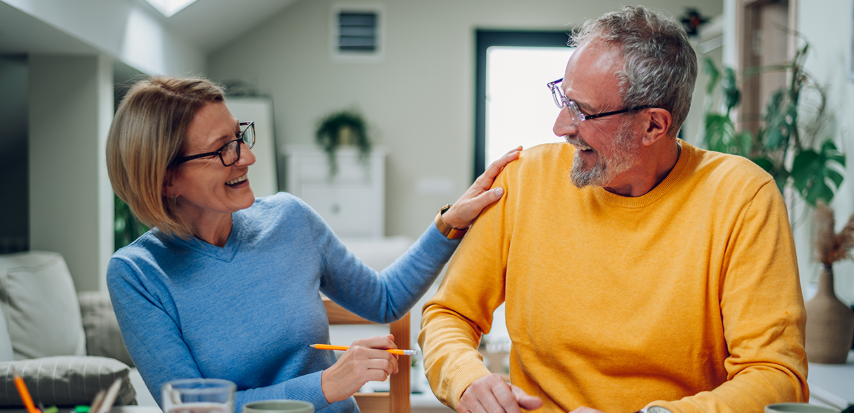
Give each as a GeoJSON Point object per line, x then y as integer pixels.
{"type": "Point", "coordinates": [239, 140]}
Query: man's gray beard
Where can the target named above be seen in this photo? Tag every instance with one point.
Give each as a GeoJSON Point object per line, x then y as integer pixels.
{"type": "Point", "coordinates": [625, 155]}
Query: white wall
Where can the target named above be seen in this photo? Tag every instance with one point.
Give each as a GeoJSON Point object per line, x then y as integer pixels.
{"type": "Point", "coordinates": [71, 204]}
{"type": "Point", "coordinates": [122, 29]}
{"type": "Point", "coordinates": [827, 25]}
{"type": "Point", "coordinates": [419, 99]}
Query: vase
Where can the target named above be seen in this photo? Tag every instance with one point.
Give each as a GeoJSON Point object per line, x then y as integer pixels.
{"type": "Point", "coordinates": [830, 324]}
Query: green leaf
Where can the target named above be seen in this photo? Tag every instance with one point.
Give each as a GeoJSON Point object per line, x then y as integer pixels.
{"type": "Point", "coordinates": [803, 168]}
{"type": "Point", "coordinates": [835, 176]}
{"type": "Point", "coordinates": [818, 190]}
{"type": "Point", "coordinates": [732, 96]}
{"type": "Point", "coordinates": [828, 149]}
{"type": "Point", "coordinates": [744, 142]}
{"type": "Point", "coordinates": [714, 74]}
{"type": "Point", "coordinates": [781, 178]}
{"type": "Point", "coordinates": [813, 173]}
{"type": "Point", "coordinates": [718, 132]}
{"type": "Point", "coordinates": [774, 138]}
{"type": "Point", "coordinates": [764, 163]}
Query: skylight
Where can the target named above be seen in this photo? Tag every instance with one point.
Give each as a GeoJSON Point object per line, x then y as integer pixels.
{"type": "Point", "coordinates": [170, 7]}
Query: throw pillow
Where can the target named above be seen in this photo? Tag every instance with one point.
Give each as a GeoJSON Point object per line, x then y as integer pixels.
{"type": "Point", "coordinates": [6, 353]}
{"type": "Point", "coordinates": [103, 337]}
{"type": "Point", "coordinates": [38, 297]}
{"type": "Point", "coordinates": [65, 381]}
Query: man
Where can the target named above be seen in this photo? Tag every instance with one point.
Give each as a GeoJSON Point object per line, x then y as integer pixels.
{"type": "Point", "coordinates": [638, 271]}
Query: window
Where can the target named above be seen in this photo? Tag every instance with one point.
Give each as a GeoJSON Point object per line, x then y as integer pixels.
{"type": "Point", "coordinates": [170, 7]}
{"type": "Point", "coordinates": [513, 105]}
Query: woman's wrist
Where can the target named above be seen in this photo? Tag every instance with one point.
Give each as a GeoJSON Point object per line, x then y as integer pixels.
{"type": "Point", "coordinates": [449, 231]}
{"type": "Point", "coordinates": [327, 386]}
{"type": "Point", "coordinates": [451, 217]}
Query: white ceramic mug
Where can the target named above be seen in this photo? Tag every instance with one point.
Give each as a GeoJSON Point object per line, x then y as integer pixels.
{"type": "Point", "coordinates": [797, 408]}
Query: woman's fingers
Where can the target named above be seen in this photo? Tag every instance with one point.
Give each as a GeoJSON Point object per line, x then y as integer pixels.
{"type": "Point", "coordinates": [494, 168]}
{"type": "Point", "coordinates": [479, 196]}
{"type": "Point", "coordinates": [384, 342]}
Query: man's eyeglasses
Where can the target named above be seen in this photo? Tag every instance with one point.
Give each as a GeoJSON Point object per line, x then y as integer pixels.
{"type": "Point", "coordinates": [575, 113]}
{"type": "Point", "coordinates": [229, 154]}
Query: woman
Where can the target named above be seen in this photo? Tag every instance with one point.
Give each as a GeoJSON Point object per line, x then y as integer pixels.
{"type": "Point", "coordinates": [226, 285]}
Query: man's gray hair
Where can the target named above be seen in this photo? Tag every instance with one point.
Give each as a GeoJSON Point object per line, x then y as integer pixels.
{"type": "Point", "coordinates": [660, 66]}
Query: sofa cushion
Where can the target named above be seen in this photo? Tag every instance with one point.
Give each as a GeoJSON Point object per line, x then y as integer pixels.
{"type": "Point", "coordinates": [38, 297]}
{"type": "Point", "coordinates": [103, 337]}
{"type": "Point", "coordinates": [6, 353]}
{"type": "Point", "coordinates": [65, 381]}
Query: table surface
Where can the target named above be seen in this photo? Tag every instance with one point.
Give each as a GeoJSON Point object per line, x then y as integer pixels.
{"type": "Point", "coordinates": [832, 384]}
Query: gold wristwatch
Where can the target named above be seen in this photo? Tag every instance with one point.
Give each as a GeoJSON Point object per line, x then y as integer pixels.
{"type": "Point", "coordinates": [447, 230]}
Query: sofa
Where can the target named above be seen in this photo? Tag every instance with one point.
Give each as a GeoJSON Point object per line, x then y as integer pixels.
{"type": "Point", "coordinates": [66, 345]}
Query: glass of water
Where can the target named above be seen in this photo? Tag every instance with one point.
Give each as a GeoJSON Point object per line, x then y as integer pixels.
{"type": "Point", "coordinates": [198, 396]}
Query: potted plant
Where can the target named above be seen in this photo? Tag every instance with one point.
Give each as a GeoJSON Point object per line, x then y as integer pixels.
{"type": "Point", "coordinates": [346, 127]}
{"type": "Point", "coordinates": [830, 323]}
{"type": "Point", "coordinates": [791, 143]}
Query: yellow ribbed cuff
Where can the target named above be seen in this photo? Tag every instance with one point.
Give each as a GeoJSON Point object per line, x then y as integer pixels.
{"type": "Point", "coordinates": [460, 380]}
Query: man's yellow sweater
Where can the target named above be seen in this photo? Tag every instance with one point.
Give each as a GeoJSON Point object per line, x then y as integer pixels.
{"type": "Point", "coordinates": [686, 297]}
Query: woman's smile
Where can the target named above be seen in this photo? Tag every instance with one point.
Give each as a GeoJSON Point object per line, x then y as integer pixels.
{"type": "Point", "coordinates": [238, 182]}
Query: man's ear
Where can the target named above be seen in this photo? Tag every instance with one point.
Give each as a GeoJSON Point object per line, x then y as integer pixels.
{"type": "Point", "coordinates": [656, 122]}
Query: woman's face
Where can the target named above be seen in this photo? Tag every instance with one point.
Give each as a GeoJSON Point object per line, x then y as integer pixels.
{"type": "Point", "coordinates": [206, 189]}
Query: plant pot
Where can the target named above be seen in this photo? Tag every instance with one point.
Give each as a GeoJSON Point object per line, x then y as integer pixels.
{"type": "Point", "coordinates": [345, 136]}
{"type": "Point", "coordinates": [830, 324]}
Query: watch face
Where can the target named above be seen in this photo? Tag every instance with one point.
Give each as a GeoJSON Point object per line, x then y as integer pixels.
{"type": "Point", "coordinates": [657, 409]}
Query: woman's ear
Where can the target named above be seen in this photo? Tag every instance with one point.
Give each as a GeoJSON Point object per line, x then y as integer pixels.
{"type": "Point", "coordinates": [169, 189]}
{"type": "Point", "coordinates": [658, 121]}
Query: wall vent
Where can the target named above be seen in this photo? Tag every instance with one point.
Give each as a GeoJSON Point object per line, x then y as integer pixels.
{"type": "Point", "coordinates": [357, 33]}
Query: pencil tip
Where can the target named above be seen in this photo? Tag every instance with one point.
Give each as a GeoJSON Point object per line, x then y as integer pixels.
{"type": "Point", "coordinates": [312, 346]}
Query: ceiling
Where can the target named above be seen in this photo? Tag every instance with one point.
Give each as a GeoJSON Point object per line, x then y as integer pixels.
{"type": "Point", "coordinates": [211, 24]}
{"type": "Point", "coordinates": [207, 24]}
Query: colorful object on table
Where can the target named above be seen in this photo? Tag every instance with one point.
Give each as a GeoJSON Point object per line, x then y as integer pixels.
{"type": "Point", "coordinates": [399, 352]}
{"type": "Point", "coordinates": [22, 391]}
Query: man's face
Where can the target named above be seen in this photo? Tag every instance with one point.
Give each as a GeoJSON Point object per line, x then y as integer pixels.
{"type": "Point", "coordinates": [605, 147]}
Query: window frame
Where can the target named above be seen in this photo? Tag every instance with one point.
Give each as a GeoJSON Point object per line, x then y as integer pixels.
{"type": "Point", "coordinates": [484, 39]}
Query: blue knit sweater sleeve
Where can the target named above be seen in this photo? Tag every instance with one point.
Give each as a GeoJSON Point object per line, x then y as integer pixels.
{"type": "Point", "coordinates": [247, 312]}
{"type": "Point", "coordinates": [384, 296]}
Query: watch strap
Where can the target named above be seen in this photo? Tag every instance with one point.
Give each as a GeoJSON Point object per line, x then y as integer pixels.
{"type": "Point", "coordinates": [447, 230]}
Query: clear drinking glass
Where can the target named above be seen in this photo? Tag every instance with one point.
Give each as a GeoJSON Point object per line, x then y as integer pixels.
{"type": "Point", "coordinates": [198, 396]}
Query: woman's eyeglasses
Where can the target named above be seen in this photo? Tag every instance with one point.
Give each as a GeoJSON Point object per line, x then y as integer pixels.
{"type": "Point", "coordinates": [229, 153]}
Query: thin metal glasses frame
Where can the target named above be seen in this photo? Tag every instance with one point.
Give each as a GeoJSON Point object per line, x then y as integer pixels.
{"type": "Point", "coordinates": [562, 101]}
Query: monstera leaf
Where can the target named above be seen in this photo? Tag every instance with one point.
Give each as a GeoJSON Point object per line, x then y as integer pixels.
{"type": "Point", "coordinates": [813, 172]}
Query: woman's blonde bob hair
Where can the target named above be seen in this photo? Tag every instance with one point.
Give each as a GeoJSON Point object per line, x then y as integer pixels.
{"type": "Point", "coordinates": [146, 136]}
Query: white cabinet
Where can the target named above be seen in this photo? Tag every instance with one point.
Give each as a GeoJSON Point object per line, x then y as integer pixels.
{"type": "Point", "coordinates": [353, 201]}
{"type": "Point", "coordinates": [832, 385]}
{"type": "Point", "coordinates": [263, 175]}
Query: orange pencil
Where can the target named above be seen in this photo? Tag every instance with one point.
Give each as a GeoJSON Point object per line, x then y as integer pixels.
{"type": "Point", "coordinates": [399, 352]}
{"type": "Point", "coordinates": [25, 395]}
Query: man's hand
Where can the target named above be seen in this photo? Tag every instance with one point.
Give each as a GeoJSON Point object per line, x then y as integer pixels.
{"type": "Point", "coordinates": [491, 394]}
